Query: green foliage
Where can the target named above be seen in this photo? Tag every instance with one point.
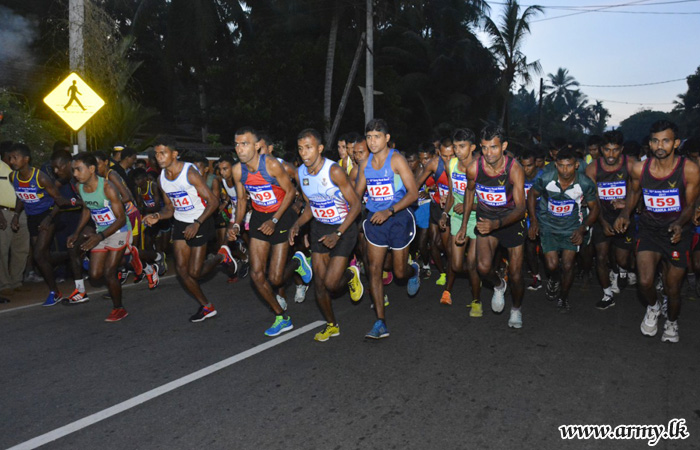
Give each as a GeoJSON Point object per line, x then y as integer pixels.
{"type": "Point", "coordinates": [687, 109]}
{"type": "Point", "coordinates": [636, 127]}
{"type": "Point", "coordinates": [21, 125]}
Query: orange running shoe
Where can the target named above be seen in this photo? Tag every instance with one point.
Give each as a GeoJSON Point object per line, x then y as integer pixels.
{"type": "Point", "coordinates": [446, 298]}
{"type": "Point", "coordinates": [116, 315]}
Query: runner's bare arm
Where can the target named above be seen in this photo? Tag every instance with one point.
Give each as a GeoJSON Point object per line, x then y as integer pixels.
{"type": "Point", "coordinates": [517, 176]}
{"type": "Point", "coordinates": [211, 200]}
{"type": "Point", "coordinates": [633, 194]}
{"type": "Point", "coordinates": [275, 169]}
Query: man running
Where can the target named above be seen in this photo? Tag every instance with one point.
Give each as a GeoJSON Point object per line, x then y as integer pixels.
{"type": "Point", "coordinates": [189, 201]}
{"type": "Point", "coordinates": [102, 203]}
{"type": "Point", "coordinates": [561, 221]}
{"type": "Point", "coordinates": [668, 184]}
{"type": "Point", "coordinates": [527, 160]}
{"type": "Point", "coordinates": [386, 177]}
{"type": "Point", "coordinates": [611, 174]}
{"type": "Point", "coordinates": [499, 183]}
{"type": "Point", "coordinates": [333, 204]}
{"type": "Point", "coordinates": [272, 194]}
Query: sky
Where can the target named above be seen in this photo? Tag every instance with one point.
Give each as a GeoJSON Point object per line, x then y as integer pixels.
{"type": "Point", "coordinates": [619, 47]}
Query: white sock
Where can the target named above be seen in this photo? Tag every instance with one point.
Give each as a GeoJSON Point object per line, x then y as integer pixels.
{"type": "Point", "coordinates": [80, 286]}
{"type": "Point", "coordinates": [148, 269]}
{"type": "Point", "coordinates": [608, 291]}
{"type": "Point", "coordinates": [623, 273]}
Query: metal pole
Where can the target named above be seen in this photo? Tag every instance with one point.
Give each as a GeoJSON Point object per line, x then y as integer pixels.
{"type": "Point", "coordinates": [540, 109]}
{"type": "Point", "coordinates": [369, 77]}
{"type": "Point", "coordinates": [76, 20]}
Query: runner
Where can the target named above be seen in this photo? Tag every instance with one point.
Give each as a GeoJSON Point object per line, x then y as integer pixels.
{"type": "Point", "coordinates": [498, 181]}
{"type": "Point", "coordinates": [101, 202]}
{"type": "Point", "coordinates": [385, 175]}
{"type": "Point", "coordinates": [189, 201]}
{"type": "Point", "coordinates": [36, 196]}
{"type": "Point", "coordinates": [611, 174]}
{"type": "Point", "coordinates": [462, 237]}
{"type": "Point", "coordinates": [561, 221]}
{"type": "Point", "coordinates": [272, 193]}
{"type": "Point", "coordinates": [334, 206]}
{"type": "Point", "coordinates": [531, 171]}
{"type": "Point", "coordinates": [668, 184]}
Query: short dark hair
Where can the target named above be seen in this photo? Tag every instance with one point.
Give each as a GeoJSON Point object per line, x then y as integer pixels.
{"type": "Point", "coordinates": [22, 149]}
{"type": "Point", "coordinates": [426, 147]}
{"type": "Point", "coordinates": [527, 154]}
{"type": "Point", "coordinates": [87, 158]}
{"type": "Point", "coordinates": [165, 140]}
{"type": "Point", "coordinates": [196, 157]}
{"type": "Point", "coordinates": [100, 155]}
{"type": "Point", "coordinates": [61, 155]}
{"type": "Point", "coordinates": [310, 132]}
{"type": "Point", "coordinates": [377, 125]}
{"type": "Point", "coordinates": [614, 137]}
{"type": "Point", "coordinates": [490, 132]}
{"type": "Point", "coordinates": [263, 136]}
{"type": "Point", "coordinates": [60, 145]}
{"type": "Point", "coordinates": [128, 152]}
{"type": "Point", "coordinates": [594, 139]}
{"type": "Point", "coordinates": [354, 137]}
{"type": "Point", "coordinates": [632, 148]}
{"type": "Point", "coordinates": [138, 173]}
{"type": "Point", "coordinates": [446, 142]}
{"type": "Point", "coordinates": [566, 153]}
{"type": "Point", "coordinates": [558, 143]}
{"type": "Point", "coordinates": [343, 138]}
{"type": "Point", "coordinates": [227, 157]}
{"type": "Point", "coordinates": [663, 124]}
{"type": "Point", "coordinates": [243, 130]}
{"type": "Point", "coordinates": [464, 134]}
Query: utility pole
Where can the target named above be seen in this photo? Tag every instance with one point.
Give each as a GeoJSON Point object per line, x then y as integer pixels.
{"type": "Point", "coordinates": [539, 129]}
{"type": "Point", "coordinates": [76, 20]}
{"type": "Point", "coordinates": [369, 74]}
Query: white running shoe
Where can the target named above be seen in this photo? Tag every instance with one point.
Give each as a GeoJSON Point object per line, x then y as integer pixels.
{"type": "Point", "coordinates": [282, 302]}
{"type": "Point", "coordinates": [670, 332]}
{"type": "Point", "coordinates": [613, 283]}
{"type": "Point", "coordinates": [651, 319]}
{"type": "Point", "coordinates": [498, 301]}
{"type": "Point", "coordinates": [516, 319]}
{"type": "Point", "coordinates": [631, 278]}
{"type": "Point", "coordinates": [300, 294]}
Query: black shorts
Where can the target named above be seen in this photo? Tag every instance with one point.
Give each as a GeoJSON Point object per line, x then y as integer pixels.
{"type": "Point", "coordinates": [219, 220]}
{"type": "Point", "coordinates": [509, 237]}
{"type": "Point", "coordinates": [659, 241]}
{"type": "Point", "coordinates": [34, 220]}
{"type": "Point", "coordinates": [436, 213]}
{"type": "Point", "coordinates": [624, 241]}
{"type": "Point", "coordinates": [204, 234]}
{"type": "Point", "coordinates": [345, 245]}
{"type": "Point", "coordinates": [283, 225]}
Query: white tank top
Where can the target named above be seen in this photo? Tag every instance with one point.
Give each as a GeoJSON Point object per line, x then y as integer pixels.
{"type": "Point", "coordinates": [184, 197]}
{"type": "Point", "coordinates": [232, 193]}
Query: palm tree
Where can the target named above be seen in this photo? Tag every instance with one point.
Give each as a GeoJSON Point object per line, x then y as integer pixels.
{"type": "Point", "coordinates": [508, 37]}
{"type": "Point", "coordinates": [560, 87]}
{"type": "Point", "coordinates": [599, 116]}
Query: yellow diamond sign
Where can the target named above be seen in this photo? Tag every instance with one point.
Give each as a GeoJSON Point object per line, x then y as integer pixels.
{"type": "Point", "coordinates": [74, 101]}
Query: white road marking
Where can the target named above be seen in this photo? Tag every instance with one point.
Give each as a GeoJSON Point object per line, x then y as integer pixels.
{"type": "Point", "coordinates": [157, 392]}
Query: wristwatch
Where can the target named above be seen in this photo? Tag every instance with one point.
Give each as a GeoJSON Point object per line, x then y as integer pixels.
{"type": "Point", "coordinates": [275, 220]}
{"type": "Point", "coordinates": [338, 233]}
{"type": "Point", "coordinates": [391, 209]}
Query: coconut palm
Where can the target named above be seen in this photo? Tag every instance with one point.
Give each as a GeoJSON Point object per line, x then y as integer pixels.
{"type": "Point", "coordinates": [560, 86]}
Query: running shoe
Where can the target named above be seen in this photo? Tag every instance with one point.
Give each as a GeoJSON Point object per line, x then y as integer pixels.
{"type": "Point", "coordinates": [54, 298]}
{"type": "Point", "coordinates": [516, 319]}
{"type": "Point", "coordinates": [631, 278]}
{"type": "Point", "coordinates": [139, 278]}
{"type": "Point", "coordinates": [300, 294]}
{"type": "Point", "coordinates": [153, 278]}
{"type": "Point", "coordinates": [446, 298]}
{"type": "Point", "coordinates": [225, 252]}
{"type": "Point", "coordinates": [651, 319]}
{"type": "Point", "coordinates": [476, 309]}
{"type": "Point", "coordinates": [204, 312]}
{"type": "Point", "coordinates": [331, 330]}
{"type": "Point", "coordinates": [426, 271]}
{"type": "Point", "coordinates": [123, 274]}
{"type": "Point", "coordinates": [280, 326]}
{"type": "Point", "coordinates": [606, 302]}
{"type": "Point", "coordinates": [387, 277]}
{"type": "Point", "coordinates": [162, 267]}
{"type": "Point", "coordinates": [386, 302]}
{"type": "Point", "coordinates": [563, 306]}
{"type": "Point", "coordinates": [498, 300]}
{"type": "Point", "coordinates": [536, 284]}
{"type": "Point", "coordinates": [414, 282]}
{"type": "Point", "coordinates": [670, 331]}
{"type": "Point", "coordinates": [614, 282]}
{"type": "Point", "coordinates": [116, 315]}
{"type": "Point", "coordinates": [304, 270]}
{"type": "Point", "coordinates": [86, 263]}
{"type": "Point", "coordinates": [378, 331]}
{"type": "Point", "coordinates": [552, 290]}
{"type": "Point", "coordinates": [77, 297]}
{"type": "Point", "coordinates": [282, 301]}
{"type": "Point", "coordinates": [33, 277]}
{"type": "Point", "coordinates": [355, 285]}
{"type": "Point", "coordinates": [442, 280]}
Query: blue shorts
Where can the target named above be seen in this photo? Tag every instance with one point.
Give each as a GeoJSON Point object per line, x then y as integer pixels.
{"type": "Point", "coordinates": [422, 215]}
{"type": "Point", "coordinates": [396, 233]}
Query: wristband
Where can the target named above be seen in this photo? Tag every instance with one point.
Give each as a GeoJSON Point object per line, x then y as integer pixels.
{"type": "Point", "coordinates": [236, 225]}
{"type": "Point", "coordinates": [338, 233]}
{"type": "Point", "coordinates": [197, 220]}
{"type": "Point", "coordinates": [275, 220]}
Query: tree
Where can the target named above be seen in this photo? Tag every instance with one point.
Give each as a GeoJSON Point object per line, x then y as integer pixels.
{"type": "Point", "coordinates": [508, 37]}
{"type": "Point", "coordinates": [688, 107]}
{"type": "Point", "coordinates": [561, 86]}
{"type": "Point", "coordinates": [599, 118]}
{"type": "Point", "coordinates": [636, 127]}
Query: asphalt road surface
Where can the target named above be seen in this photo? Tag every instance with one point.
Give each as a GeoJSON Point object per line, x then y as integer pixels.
{"type": "Point", "coordinates": [442, 380]}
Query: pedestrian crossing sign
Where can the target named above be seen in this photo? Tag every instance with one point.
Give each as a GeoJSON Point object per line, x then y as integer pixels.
{"type": "Point", "coordinates": [74, 101]}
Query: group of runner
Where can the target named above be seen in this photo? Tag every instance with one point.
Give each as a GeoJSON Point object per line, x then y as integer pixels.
{"type": "Point", "coordinates": [478, 210]}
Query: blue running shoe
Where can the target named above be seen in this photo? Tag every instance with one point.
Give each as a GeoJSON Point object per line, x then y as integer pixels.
{"type": "Point", "coordinates": [414, 281]}
{"type": "Point", "coordinates": [378, 331]}
{"type": "Point", "coordinates": [54, 298]}
{"type": "Point", "coordinates": [280, 326]}
{"type": "Point", "coordinates": [304, 270]}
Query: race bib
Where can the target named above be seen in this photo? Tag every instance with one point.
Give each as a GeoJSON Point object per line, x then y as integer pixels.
{"type": "Point", "coordinates": [149, 202]}
{"type": "Point", "coordinates": [491, 195]}
{"type": "Point", "coordinates": [443, 190]}
{"type": "Point", "coordinates": [103, 217]}
{"type": "Point", "coordinates": [561, 208]}
{"type": "Point", "coordinates": [662, 200]}
{"type": "Point", "coordinates": [528, 186]}
{"type": "Point", "coordinates": [262, 195]}
{"type": "Point", "coordinates": [28, 194]}
{"type": "Point", "coordinates": [381, 189]}
{"type": "Point", "coordinates": [181, 201]}
{"type": "Point", "coordinates": [326, 211]}
{"type": "Point", "coordinates": [459, 183]}
{"type": "Point", "coordinates": [612, 190]}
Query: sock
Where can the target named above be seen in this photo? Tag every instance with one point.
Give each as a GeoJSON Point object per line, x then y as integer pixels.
{"type": "Point", "coordinates": [623, 273]}
{"type": "Point", "coordinates": [608, 291]}
{"type": "Point", "coordinates": [514, 309]}
{"type": "Point", "coordinates": [477, 300]}
{"type": "Point", "coordinates": [148, 269]}
{"type": "Point", "coordinates": [159, 257]}
{"type": "Point", "coordinates": [80, 285]}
